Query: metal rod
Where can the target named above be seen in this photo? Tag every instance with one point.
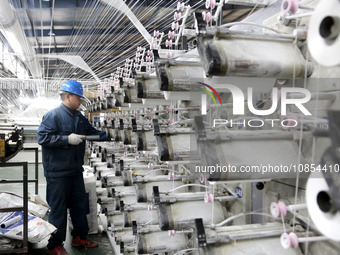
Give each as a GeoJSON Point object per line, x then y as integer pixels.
{"type": "Point", "coordinates": [301, 15]}
{"type": "Point", "coordinates": [25, 198]}
{"type": "Point", "coordinates": [312, 239]}
{"type": "Point", "coordinates": [11, 209]}
{"type": "Point", "coordinates": [36, 162]}
{"type": "Point", "coordinates": [296, 207]}
{"type": "Point", "coordinates": [16, 181]}
{"type": "Point", "coordinates": [36, 171]}
{"type": "Point", "coordinates": [91, 137]}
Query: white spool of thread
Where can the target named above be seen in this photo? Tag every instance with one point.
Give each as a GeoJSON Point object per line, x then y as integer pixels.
{"type": "Point", "coordinates": [174, 25]}
{"type": "Point", "coordinates": [177, 16]}
{"type": "Point", "coordinates": [289, 6]}
{"type": "Point", "coordinates": [208, 198]}
{"type": "Point", "coordinates": [210, 4]}
{"type": "Point", "coordinates": [280, 209]}
{"type": "Point", "coordinates": [168, 43]}
{"type": "Point", "coordinates": [156, 33]}
{"type": "Point", "coordinates": [291, 121]}
{"type": "Point", "coordinates": [291, 240]}
{"type": "Point", "coordinates": [203, 179]}
{"type": "Point", "coordinates": [319, 207]}
{"type": "Point", "coordinates": [206, 16]}
{"type": "Point", "coordinates": [171, 34]}
{"type": "Point", "coordinates": [324, 33]}
{"type": "Point", "coordinates": [171, 176]}
{"type": "Point", "coordinates": [180, 6]}
{"type": "Point", "coordinates": [171, 232]}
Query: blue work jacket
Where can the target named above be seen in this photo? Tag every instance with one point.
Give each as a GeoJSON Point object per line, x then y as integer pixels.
{"type": "Point", "coordinates": [60, 158]}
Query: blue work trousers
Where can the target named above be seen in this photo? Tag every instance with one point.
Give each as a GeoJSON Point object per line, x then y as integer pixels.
{"type": "Point", "coordinates": [64, 193]}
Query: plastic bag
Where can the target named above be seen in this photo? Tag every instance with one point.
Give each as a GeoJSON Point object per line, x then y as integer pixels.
{"type": "Point", "coordinates": [38, 229]}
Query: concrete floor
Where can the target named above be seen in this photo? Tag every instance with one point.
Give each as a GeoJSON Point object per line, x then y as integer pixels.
{"type": "Point", "coordinates": [16, 173]}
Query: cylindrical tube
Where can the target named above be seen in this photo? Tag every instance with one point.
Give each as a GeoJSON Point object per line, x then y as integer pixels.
{"type": "Point", "coordinates": [247, 57]}
{"type": "Point", "coordinates": [91, 137]}
{"type": "Point", "coordinates": [11, 222]}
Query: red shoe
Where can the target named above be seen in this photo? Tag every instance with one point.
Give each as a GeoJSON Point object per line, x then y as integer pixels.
{"type": "Point", "coordinates": [59, 250]}
{"type": "Point", "coordinates": [77, 242]}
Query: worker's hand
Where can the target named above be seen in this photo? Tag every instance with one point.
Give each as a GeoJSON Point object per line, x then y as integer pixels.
{"type": "Point", "coordinates": [75, 139]}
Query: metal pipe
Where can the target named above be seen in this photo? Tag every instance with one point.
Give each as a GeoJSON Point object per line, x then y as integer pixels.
{"type": "Point", "coordinates": [91, 137]}
{"type": "Point", "coordinates": [312, 239]}
{"type": "Point", "coordinates": [301, 15]}
{"type": "Point", "coordinates": [297, 207]}
{"type": "Point", "coordinates": [256, 235]}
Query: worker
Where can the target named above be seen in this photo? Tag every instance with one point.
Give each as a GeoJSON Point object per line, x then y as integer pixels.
{"type": "Point", "coordinates": [61, 135]}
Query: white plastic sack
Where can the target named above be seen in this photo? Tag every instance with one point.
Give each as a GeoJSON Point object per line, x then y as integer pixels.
{"type": "Point", "coordinates": [13, 200]}
{"type": "Point", "coordinates": [9, 244]}
{"type": "Point", "coordinates": [38, 229]}
{"type": "Point", "coordinates": [90, 187]}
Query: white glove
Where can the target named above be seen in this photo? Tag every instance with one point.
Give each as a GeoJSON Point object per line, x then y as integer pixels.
{"type": "Point", "coordinates": [75, 139]}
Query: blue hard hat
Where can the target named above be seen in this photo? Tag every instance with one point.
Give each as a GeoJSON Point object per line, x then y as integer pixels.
{"type": "Point", "coordinates": [73, 87]}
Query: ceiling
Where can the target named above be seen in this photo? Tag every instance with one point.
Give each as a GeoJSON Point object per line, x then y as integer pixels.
{"type": "Point", "coordinates": [103, 36]}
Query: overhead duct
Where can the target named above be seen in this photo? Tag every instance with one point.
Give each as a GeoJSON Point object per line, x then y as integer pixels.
{"type": "Point", "coordinates": [11, 29]}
